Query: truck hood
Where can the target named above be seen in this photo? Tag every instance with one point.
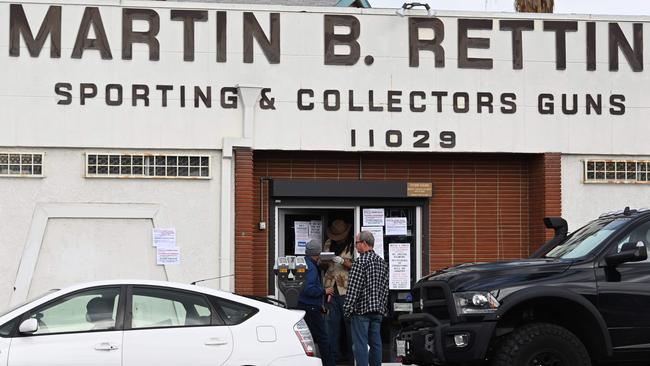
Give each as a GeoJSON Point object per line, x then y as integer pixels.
{"type": "Point", "coordinates": [499, 275]}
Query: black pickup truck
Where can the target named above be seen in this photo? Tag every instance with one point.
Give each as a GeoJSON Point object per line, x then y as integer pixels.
{"type": "Point", "coordinates": [580, 299]}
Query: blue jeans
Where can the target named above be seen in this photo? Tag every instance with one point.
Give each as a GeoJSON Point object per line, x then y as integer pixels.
{"type": "Point", "coordinates": [366, 331]}
{"type": "Point", "coordinates": [333, 320]}
{"type": "Point", "coordinates": [316, 324]}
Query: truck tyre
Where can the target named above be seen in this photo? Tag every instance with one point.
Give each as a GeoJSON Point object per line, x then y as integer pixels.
{"type": "Point", "coordinates": [541, 344]}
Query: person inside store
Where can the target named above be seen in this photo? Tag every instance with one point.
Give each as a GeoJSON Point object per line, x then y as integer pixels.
{"type": "Point", "coordinates": [339, 241]}
{"type": "Point", "coordinates": [366, 302]}
{"type": "Point", "coordinates": [311, 300]}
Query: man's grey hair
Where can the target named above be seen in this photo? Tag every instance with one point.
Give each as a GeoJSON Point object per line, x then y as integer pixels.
{"type": "Point", "coordinates": [367, 237]}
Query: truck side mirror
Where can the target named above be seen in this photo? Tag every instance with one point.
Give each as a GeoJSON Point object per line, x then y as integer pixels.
{"type": "Point", "coordinates": [630, 252]}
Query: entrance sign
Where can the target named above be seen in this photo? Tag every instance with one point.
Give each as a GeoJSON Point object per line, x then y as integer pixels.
{"type": "Point", "coordinates": [399, 264]}
{"type": "Point", "coordinates": [419, 189]}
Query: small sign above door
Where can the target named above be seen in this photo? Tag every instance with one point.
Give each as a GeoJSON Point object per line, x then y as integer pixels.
{"type": "Point", "coordinates": [419, 189]}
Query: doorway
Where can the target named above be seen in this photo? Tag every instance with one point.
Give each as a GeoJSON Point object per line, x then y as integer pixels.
{"type": "Point", "coordinates": [398, 230]}
{"type": "Point", "coordinates": [298, 225]}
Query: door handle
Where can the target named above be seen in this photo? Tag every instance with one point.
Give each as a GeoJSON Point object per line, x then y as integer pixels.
{"type": "Point", "coordinates": [106, 346]}
{"type": "Point", "coordinates": [216, 342]}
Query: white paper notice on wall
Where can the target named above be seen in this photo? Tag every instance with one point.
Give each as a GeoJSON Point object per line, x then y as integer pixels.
{"type": "Point", "coordinates": [378, 234]}
{"type": "Point", "coordinates": [399, 264]}
{"type": "Point", "coordinates": [168, 256]}
{"type": "Point", "coordinates": [373, 217]}
{"type": "Point", "coordinates": [164, 237]}
{"type": "Point", "coordinates": [396, 226]}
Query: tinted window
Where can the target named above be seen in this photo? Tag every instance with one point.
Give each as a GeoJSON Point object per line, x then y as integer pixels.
{"type": "Point", "coordinates": [234, 313]}
{"type": "Point", "coordinates": [7, 328]}
{"type": "Point", "coordinates": [153, 308]}
{"type": "Point", "coordinates": [640, 236]}
{"type": "Point", "coordinates": [84, 311]}
{"type": "Point", "coordinates": [584, 240]}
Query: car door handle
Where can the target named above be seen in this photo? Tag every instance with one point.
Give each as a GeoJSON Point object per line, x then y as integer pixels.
{"type": "Point", "coordinates": [216, 342]}
{"type": "Point", "coordinates": [106, 346]}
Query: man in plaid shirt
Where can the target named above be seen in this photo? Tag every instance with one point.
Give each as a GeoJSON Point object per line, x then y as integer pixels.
{"type": "Point", "coordinates": [367, 300]}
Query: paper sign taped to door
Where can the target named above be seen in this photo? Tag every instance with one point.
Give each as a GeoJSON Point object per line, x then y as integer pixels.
{"type": "Point", "coordinates": [396, 226]}
{"type": "Point", "coordinates": [378, 234]}
{"type": "Point", "coordinates": [373, 217]}
{"type": "Point", "coordinates": [300, 246]}
{"type": "Point", "coordinates": [399, 264]}
{"type": "Point", "coordinates": [316, 230]}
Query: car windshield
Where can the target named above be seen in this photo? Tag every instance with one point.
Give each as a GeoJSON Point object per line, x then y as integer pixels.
{"type": "Point", "coordinates": [7, 311]}
{"type": "Point", "coordinates": [584, 240]}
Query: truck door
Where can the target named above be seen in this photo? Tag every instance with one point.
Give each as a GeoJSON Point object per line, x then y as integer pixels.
{"type": "Point", "coordinates": [624, 295]}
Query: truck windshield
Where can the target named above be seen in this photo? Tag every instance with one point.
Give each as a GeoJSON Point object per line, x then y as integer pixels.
{"type": "Point", "coordinates": [584, 240]}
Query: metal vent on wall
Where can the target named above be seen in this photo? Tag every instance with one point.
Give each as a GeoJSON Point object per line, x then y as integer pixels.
{"type": "Point", "coordinates": [106, 165]}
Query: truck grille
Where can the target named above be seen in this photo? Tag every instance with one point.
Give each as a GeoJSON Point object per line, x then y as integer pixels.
{"type": "Point", "coordinates": [436, 299]}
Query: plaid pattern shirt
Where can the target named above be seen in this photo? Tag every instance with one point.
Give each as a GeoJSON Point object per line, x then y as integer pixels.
{"type": "Point", "coordinates": [367, 286]}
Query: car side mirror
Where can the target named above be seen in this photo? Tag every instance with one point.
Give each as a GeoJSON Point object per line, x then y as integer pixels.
{"type": "Point", "coordinates": [28, 326]}
{"type": "Point", "coordinates": [630, 253]}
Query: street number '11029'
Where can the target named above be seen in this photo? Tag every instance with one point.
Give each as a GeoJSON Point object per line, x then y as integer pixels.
{"type": "Point", "coordinates": [395, 138]}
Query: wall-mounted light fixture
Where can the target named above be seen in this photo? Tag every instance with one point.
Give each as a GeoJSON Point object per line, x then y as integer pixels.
{"type": "Point", "coordinates": [408, 6]}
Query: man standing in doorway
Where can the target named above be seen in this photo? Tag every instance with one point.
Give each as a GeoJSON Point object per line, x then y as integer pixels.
{"type": "Point", "coordinates": [366, 301]}
{"type": "Point", "coordinates": [341, 243]}
{"type": "Point", "coordinates": [311, 300]}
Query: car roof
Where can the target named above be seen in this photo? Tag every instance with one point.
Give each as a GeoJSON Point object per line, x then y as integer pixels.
{"type": "Point", "coordinates": [167, 284]}
{"type": "Point", "coordinates": [122, 282]}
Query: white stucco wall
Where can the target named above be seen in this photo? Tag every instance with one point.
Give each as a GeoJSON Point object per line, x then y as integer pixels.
{"type": "Point", "coordinates": [191, 206]}
{"type": "Point", "coordinates": [584, 202]}
{"type": "Point", "coordinates": [33, 119]}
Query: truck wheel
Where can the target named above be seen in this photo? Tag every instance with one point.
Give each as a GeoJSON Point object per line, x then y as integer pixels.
{"type": "Point", "coordinates": [541, 344]}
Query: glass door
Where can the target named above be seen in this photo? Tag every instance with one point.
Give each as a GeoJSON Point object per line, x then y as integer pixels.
{"type": "Point", "coordinates": [396, 230]}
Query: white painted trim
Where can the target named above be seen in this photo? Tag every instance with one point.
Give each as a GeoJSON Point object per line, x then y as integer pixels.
{"type": "Point", "coordinates": [418, 243]}
{"type": "Point", "coordinates": [226, 247]}
{"type": "Point", "coordinates": [46, 211]}
{"type": "Point", "coordinates": [249, 95]}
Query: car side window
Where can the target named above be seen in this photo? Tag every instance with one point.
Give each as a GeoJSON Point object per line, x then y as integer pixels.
{"type": "Point", "coordinates": [92, 310]}
{"type": "Point", "coordinates": [7, 328]}
{"type": "Point", "coordinates": [234, 313]}
{"type": "Point", "coordinates": [639, 236]}
{"type": "Point", "coordinates": [155, 308]}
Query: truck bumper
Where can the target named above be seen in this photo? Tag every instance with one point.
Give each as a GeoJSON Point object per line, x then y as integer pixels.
{"type": "Point", "coordinates": [444, 343]}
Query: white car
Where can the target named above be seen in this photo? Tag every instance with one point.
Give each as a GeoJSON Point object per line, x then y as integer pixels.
{"type": "Point", "coordinates": [138, 323]}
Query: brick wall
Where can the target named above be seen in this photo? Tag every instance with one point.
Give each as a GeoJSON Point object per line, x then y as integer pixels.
{"type": "Point", "coordinates": [545, 195]}
{"type": "Point", "coordinates": [485, 206]}
{"type": "Point", "coordinates": [245, 253]}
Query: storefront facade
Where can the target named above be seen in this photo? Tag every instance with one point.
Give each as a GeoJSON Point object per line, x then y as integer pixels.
{"type": "Point", "coordinates": [230, 123]}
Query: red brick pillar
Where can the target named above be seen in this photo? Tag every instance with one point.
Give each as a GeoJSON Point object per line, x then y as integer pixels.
{"type": "Point", "coordinates": [545, 195]}
{"type": "Point", "coordinates": [245, 264]}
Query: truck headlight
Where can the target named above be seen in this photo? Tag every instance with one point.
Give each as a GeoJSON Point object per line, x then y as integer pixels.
{"type": "Point", "coordinates": [468, 303]}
